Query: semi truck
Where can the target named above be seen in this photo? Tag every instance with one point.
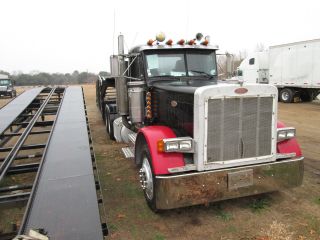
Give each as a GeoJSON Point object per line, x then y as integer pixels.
{"type": "Point", "coordinates": [294, 68]}
{"type": "Point", "coordinates": [195, 139]}
{"type": "Point", "coordinates": [7, 86]}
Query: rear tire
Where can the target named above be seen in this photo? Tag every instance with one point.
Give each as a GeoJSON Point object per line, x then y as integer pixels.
{"type": "Point", "coordinates": [147, 177]}
{"type": "Point", "coordinates": [109, 124]}
{"type": "Point", "coordinates": [286, 95]}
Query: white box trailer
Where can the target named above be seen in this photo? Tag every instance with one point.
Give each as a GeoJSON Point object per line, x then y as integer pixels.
{"type": "Point", "coordinates": [294, 68]}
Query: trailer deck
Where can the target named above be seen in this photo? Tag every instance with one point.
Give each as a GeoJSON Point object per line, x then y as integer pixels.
{"type": "Point", "coordinates": [10, 111]}
{"type": "Point", "coordinates": [62, 200]}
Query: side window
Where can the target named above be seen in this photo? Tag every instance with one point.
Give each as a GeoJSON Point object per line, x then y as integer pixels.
{"type": "Point", "coordinates": [251, 61]}
{"type": "Point", "coordinates": [135, 68]}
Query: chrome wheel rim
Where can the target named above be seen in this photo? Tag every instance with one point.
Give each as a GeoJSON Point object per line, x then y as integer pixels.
{"type": "Point", "coordinates": [146, 178]}
{"type": "Point", "coordinates": [285, 96]}
{"type": "Point", "coordinates": [108, 126]}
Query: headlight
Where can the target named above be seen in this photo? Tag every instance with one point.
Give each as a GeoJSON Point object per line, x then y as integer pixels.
{"type": "Point", "coordinates": [183, 144]}
{"type": "Point", "coordinates": [285, 134]}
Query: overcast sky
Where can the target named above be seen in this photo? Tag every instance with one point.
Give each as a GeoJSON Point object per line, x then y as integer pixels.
{"type": "Point", "coordinates": [67, 35]}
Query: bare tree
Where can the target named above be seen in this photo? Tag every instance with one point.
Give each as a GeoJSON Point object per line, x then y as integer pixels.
{"type": "Point", "coordinates": [260, 47]}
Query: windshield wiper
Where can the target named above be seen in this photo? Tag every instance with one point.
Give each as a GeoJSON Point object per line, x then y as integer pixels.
{"type": "Point", "coordinates": [168, 76]}
{"type": "Point", "coordinates": [202, 72]}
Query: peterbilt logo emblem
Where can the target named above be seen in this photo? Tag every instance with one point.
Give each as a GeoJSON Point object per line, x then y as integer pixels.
{"type": "Point", "coordinates": [174, 103]}
{"type": "Point", "coordinates": [241, 90]}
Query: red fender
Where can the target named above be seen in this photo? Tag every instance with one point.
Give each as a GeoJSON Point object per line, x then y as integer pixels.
{"type": "Point", "coordinates": [161, 161]}
{"type": "Point", "coordinates": [288, 146]}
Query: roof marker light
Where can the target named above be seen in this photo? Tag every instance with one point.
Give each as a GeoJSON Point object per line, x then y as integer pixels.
{"type": "Point", "coordinates": [199, 36]}
{"type": "Point", "coordinates": [205, 42]}
{"type": "Point", "coordinates": [181, 42]}
{"type": "Point", "coordinates": [160, 37]}
{"type": "Point", "coordinates": [169, 42]}
{"type": "Point", "coordinates": [150, 42]}
{"type": "Point", "coordinates": [191, 42]}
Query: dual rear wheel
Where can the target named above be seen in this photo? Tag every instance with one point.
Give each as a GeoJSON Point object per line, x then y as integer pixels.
{"type": "Point", "coordinates": [287, 95]}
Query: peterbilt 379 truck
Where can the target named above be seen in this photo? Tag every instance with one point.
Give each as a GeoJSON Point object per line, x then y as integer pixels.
{"type": "Point", "coordinates": [195, 139]}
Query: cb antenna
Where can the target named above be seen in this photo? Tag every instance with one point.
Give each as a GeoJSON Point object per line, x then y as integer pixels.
{"type": "Point", "coordinates": [187, 16]}
{"type": "Point", "coordinates": [114, 28]}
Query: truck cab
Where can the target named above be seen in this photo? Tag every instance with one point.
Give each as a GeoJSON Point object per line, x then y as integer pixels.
{"type": "Point", "coordinates": [194, 138]}
{"type": "Point", "coordinates": [255, 68]}
{"type": "Point", "coordinates": [6, 86]}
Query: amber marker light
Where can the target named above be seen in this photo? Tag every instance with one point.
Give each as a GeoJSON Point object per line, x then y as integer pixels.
{"type": "Point", "coordinates": [181, 42]}
{"type": "Point", "coordinates": [205, 42]}
{"type": "Point", "coordinates": [191, 42]}
{"type": "Point", "coordinates": [169, 42]}
{"type": "Point", "coordinates": [160, 146]}
{"type": "Point", "coordinates": [148, 105]}
{"type": "Point", "coordinates": [150, 42]}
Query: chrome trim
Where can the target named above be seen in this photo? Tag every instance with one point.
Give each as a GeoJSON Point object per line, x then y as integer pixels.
{"type": "Point", "coordinates": [188, 167]}
{"type": "Point", "coordinates": [176, 46]}
{"type": "Point", "coordinates": [178, 140]}
{"type": "Point", "coordinates": [285, 155]}
{"type": "Point", "coordinates": [211, 186]}
{"type": "Point", "coordinates": [222, 170]}
{"type": "Point", "coordinates": [284, 130]}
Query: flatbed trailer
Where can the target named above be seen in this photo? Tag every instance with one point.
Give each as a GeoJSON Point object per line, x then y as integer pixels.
{"type": "Point", "coordinates": [63, 198]}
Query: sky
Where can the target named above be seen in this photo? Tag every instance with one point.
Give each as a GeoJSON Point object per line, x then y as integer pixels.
{"type": "Point", "coordinates": [67, 35]}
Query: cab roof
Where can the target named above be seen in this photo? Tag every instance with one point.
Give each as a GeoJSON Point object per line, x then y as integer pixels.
{"type": "Point", "coordinates": [141, 48]}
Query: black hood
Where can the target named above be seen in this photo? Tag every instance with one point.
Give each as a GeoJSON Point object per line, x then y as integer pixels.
{"type": "Point", "coordinates": [183, 86]}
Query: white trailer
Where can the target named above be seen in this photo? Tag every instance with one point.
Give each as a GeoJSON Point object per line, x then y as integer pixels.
{"type": "Point", "coordinates": [294, 68]}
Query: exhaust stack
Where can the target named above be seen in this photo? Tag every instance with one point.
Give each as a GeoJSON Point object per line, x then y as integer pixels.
{"type": "Point", "coordinates": [121, 81]}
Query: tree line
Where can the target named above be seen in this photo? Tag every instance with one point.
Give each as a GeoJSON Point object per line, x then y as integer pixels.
{"type": "Point", "coordinates": [43, 78]}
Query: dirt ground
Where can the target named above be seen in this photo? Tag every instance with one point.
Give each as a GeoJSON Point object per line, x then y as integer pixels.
{"type": "Point", "coordinates": [289, 214]}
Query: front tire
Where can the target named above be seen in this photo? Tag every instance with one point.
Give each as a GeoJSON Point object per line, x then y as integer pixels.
{"type": "Point", "coordinates": [147, 178]}
{"type": "Point", "coordinates": [286, 95]}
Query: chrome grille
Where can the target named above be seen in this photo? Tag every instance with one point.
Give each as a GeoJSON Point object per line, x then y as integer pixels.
{"type": "Point", "coordinates": [239, 128]}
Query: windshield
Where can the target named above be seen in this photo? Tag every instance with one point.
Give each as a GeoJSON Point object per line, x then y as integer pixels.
{"type": "Point", "coordinates": [179, 64]}
{"type": "Point", "coordinates": [4, 82]}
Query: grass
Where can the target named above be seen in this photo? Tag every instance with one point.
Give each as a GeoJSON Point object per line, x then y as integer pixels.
{"type": "Point", "coordinates": [259, 204]}
{"type": "Point", "coordinates": [313, 223]}
{"type": "Point", "coordinates": [222, 214]}
{"type": "Point", "coordinates": [159, 237]}
{"type": "Point", "coordinates": [317, 200]}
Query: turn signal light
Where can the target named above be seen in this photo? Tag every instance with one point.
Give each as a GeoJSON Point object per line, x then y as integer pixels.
{"type": "Point", "coordinates": [160, 146]}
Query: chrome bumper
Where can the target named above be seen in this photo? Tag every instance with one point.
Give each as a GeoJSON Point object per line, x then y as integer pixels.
{"type": "Point", "coordinates": [210, 186]}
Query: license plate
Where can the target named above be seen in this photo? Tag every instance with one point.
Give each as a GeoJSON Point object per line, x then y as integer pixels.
{"type": "Point", "coordinates": [240, 179]}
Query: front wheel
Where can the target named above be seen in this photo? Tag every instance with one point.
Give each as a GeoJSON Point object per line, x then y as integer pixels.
{"type": "Point", "coordinates": [147, 178]}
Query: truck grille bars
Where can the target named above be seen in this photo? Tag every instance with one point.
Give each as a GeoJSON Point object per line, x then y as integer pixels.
{"type": "Point", "coordinates": [239, 128]}
{"type": "Point", "coordinates": [47, 150]}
